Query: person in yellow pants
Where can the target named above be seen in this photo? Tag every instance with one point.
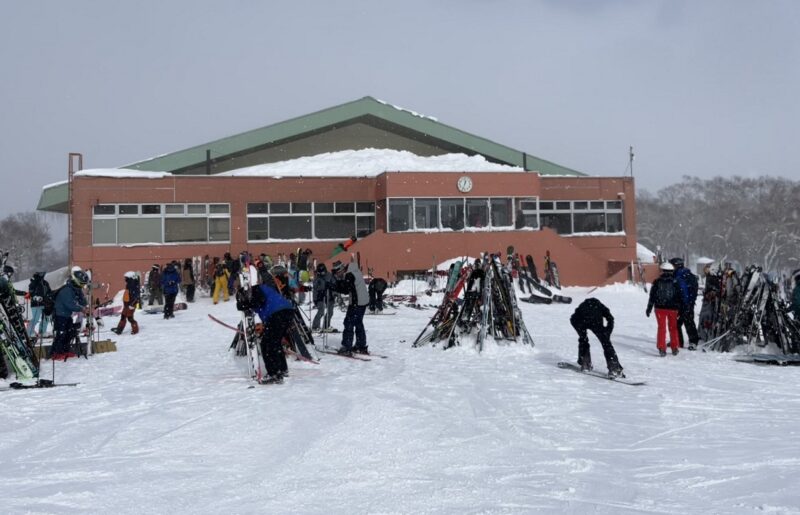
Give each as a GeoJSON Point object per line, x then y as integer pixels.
{"type": "Point", "coordinates": [221, 275]}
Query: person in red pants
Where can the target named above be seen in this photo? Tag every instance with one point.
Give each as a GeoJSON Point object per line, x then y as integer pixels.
{"type": "Point", "coordinates": [665, 296]}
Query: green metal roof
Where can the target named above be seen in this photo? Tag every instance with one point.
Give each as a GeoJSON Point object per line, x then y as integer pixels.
{"type": "Point", "coordinates": [55, 198]}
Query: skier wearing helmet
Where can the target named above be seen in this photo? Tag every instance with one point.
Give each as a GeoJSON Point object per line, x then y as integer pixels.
{"type": "Point", "coordinates": [130, 298]}
{"type": "Point", "coordinates": [688, 284]}
{"type": "Point", "coordinates": [665, 296]}
{"type": "Point", "coordinates": [69, 300]}
{"type": "Point", "coordinates": [796, 296]}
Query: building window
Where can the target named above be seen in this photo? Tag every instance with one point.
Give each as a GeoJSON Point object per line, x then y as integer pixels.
{"type": "Point", "coordinates": [365, 225]}
{"type": "Point", "coordinates": [309, 220]}
{"type": "Point", "coordinates": [590, 222]}
{"type": "Point", "coordinates": [290, 227]}
{"type": "Point", "coordinates": [128, 224]}
{"type": "Point", "coordinates": [559, 222]}
{"type": "Point", "coordinates": [477, 212]}
{"type": "Point", "coordinates": [452, 213]}
{"type": "Point", "coordinates": [400, 214]}
{"type": "Point", "coordinates": [426, 213]}
{"type": "Point", "coordinates": [614, 222]}
{"type": "Point", "coordinates": [527, 216]}
{"type": "Point", "coordinates": [501, 212]}
{"type": "Point", "coordinates": [257, 229]}
{"type": "Point", "coordinates": [333, 227]}
{"type": "Point", "coordinates": [582, 216]}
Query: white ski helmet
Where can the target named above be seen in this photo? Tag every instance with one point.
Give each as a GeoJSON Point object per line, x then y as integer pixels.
{"type": "Point", "coordinates": [130, 275]}
{"type": "Point", "coordinates": [667, 267]}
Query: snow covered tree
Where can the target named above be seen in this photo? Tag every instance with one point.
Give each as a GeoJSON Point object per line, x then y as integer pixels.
{"type": "Point", "coordinates": [27, 239]}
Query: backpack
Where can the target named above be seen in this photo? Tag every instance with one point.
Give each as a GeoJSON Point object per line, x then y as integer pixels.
{"type": "Point", "coordinates": [49, 301]}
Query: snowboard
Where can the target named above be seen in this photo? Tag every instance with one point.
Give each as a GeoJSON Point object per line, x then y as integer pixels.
{"type": "Point", "coordinates": [154, 310]}
{"type": "Point", "coordinates": [770, 359]}
{"type": "Point", "coordinates": [574, 367]}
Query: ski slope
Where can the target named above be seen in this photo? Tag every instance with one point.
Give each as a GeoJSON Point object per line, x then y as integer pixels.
{"type": "Point", "coordinates": [168, 425]}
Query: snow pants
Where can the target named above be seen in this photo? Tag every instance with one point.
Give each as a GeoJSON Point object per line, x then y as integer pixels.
{"type": "Point", "coordinates": [220, 286]}
{"type": "Point", "coordinates": [127, 316]}
{"type": "Point", "coordinates": [324, 314]}
{"type": "Point", "coordinates": [38, 318]}
{"type": "Point", "coordinates": [375, 300]}
{"type": "Point", "coordinates": [686, 319]}
{"type": "Point", "coordinates": [169, 305]}
{"type": "Point", "coordinates": [584, 352]}
{"type": "Point", "coordinates": [354, 322]}
{"type": "Point", "coordinates": [667, 318]}
{"type": "Point", "coordinates": [275, 330]}
{"type": "Point", "coordinates": [156, 295]}
{"type": "Point", "coordinates": [63, 333]}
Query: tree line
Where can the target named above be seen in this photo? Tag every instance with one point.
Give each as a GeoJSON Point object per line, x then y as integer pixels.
{"type": "Point", "coordinates": [26, 237]}
{"type": "Point", "coordinates": [737, 219]}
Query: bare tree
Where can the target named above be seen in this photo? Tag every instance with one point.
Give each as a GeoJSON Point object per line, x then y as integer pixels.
{"type": "Point", "coordinates": [26, 237]}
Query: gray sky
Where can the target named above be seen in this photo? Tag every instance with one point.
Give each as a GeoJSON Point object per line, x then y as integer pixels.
{"type": "Point", "coordinates": [697, 87]}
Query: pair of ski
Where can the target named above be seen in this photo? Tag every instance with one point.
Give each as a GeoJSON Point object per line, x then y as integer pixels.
{"type": "Point", "coordinates": [575, 368]}
{"type": "Point", "coordinates": [41, 383]}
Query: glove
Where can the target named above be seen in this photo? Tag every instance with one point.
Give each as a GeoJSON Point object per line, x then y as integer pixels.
{"type": "Point", "coordinates": [647, 312]}
{"type": "Point", "coordinates": [242, 303]}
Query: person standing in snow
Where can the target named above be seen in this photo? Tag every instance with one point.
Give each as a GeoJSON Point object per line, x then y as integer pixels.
{"type": "Point", "coordinates": [665, 296]}
{"type": "Point", "coordinates": [796, 296]}
{"type": "Point", "coordinates": [170, 283]}
{"type": "Point", "coordinates": [69, 300]}
{"type": "Point", "coordinates": [350, 281]}
{"type": "Point", "coordinates": [687, 282]}
{"type": "Point", "coordinates": [188, 280]}
{"type": "Point", "coordinates": [590, 316]}
{"type": "Point", "coordinates": [130, 297]}
{"type": "Point", "coordinates": [221, 275]}
{"type": "Point", "coordinates": [376, 288]}
{"type": "Point", "coordinates": [38, 290]}
{"type": "Point", "coordinates": [323, 298]}
{"type": "Point", "coordinates": [154, 286]}
{"type": "Point", "coordinates": [277, 314]}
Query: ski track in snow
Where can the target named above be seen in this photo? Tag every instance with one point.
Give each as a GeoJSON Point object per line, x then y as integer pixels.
{"type": "Point", "coordinates": [168, 424]}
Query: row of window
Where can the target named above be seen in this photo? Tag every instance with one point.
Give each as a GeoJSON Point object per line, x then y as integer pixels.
{"type": "Point", "coordinates": [121, 224]}
{"type": "Point", "coordinates": [127, 224]}
{"type": "Point", "coordinates": [309, 220]}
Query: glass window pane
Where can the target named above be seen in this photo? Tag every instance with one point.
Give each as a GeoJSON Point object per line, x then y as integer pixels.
{"type": "Point", "coordinates": [545, 205]}
{"type": "Point", "coordinates": [280, 207]}
{"type": "Point", "coordinates": [614, 222]}
{"type": "Point", "coordinates": [580, 205]}
{"type": "Point", "coordinates": [365, 225]}
{"type": "Point", "coordinates": [477, 212]}
{"type": "Point", "coordinates": [177, 230]}
{"type": "Point", "coordinates": [218, 209]}
{"type": "Point", "coordinates": [590, 222]}
{"type": "Point", "coordinates": [261, 208]}
{"type": "Point", "coordinates": [301, 207]}
{"type": "Point", "coordinates": [559, 222]}
{"type": "Point", "coordinates": [151, 209]}
{"type": "Point", "coordinates": [106, 209]}
{"type": "Point", "coordinates": [173, 209]}
{"type": "Point", "coordinates": [452, 213]}
{"type": "Point", "coordinates": [290, 227]}
{"type": "Point", "coordinates": [426, 213]}
{"type": "Point", "coordinates": [400, 214]}
{"type": "Point", "coordinates": [562, 205]}
{"type": "Point", "coordinates": [525, 213]}
{"type": "Point", "coordinates": [104, 231]}
{"type": "Point", "coordinates": [196, 209]}
{"type": "Point", "coordinates": [341, 226]}
{"type": "Point", "coordinates": [323, 207]}
{"type": "Point", "coordinates": [501, 212]}
{"type": "Point", "coordinates": [258, 228]}
{"type": "Point", "coordinates": [596, 205]}
{"type": "Point", "coordinates": [139, 230]}
{"type": "Point", "coordinates": [128, 210]}
{"type": "Point", "coordinates": [365, 207]}
{"type": "Point", "coordinates": [614, 204]}
{"type": "Point", "coordinates": [345, 207]}
{"type": "Point", "coordinates": [219, 229]}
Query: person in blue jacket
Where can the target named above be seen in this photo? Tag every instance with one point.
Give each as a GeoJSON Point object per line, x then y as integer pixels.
{"type": "Point", "coordinates": [688, 284]}
{"type": "Point", "coordinates": [69, 300]}
{"type": "Point", "coordinates": [171, 284]}
{"type": "Point", "coordinates": [277, 314]}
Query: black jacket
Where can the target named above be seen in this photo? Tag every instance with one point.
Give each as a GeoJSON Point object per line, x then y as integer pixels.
{"type": "Point", "coordinates": [38, 289]}
{"type": "Point", "coordinates": [590, 314]}
{"type": "Point", "coordinates": [665, 293]}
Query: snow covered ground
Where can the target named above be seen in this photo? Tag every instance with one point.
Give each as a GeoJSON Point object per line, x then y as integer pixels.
{"type": "Point", "coordinates": [168, 425]}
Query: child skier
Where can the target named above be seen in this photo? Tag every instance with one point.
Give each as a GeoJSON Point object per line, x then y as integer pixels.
{"type": "Point", "coordinates": [129, 300]}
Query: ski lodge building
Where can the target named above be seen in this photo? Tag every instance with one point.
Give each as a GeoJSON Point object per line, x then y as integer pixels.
{"type": "Point", "coordinates": [412, 190]}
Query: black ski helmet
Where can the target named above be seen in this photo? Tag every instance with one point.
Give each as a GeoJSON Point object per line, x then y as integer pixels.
{"type": "Point", "coordinates": [79, 278]}
{"type": "Point", "coordinates": [677, 262]}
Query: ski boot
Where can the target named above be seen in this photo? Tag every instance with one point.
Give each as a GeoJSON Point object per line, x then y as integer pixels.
{"type": "Point", "coordinates": [344, 352]}
{"type": "Point", "coordinates": [276, 379]}
{"type": "Point", "coordinates": [662, 352]}
{"type": "Point", "coordinates": [361, 350]}
{"type": "Point", "coordinates": [675, 351]}
{"type": "Point", "coordinates": [615, 372]}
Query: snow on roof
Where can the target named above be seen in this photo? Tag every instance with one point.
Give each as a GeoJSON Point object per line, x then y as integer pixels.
{"type": "Point", "coordinates": [121, 173]}
{"type": "Point", "coordinates": [369, 162]}
{"type": "Point", "coordinates": [644, 254]}
{"type": "Point", "coordinates": [407, 110]}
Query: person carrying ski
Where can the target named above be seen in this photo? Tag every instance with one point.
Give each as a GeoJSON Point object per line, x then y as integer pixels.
{"type": "Point", "coordinates": [590, 315]}
{"type": "Point", "coordinates": [323, 298]}
{"type": "Point", "coordinates": [687, 282]}
{"type": "Point", "coordinates": [188, 280]}
{"type": "Point", "coordinates": [665, 296]}
{"type": "Point", "coordinates": [154, 285]}
{"type": "Point", "coordinates": [277, 314]}
{"type": "Point", "coordinates": [39, 290]}
{"type": "Point", "coordinates": [170, 283]}
{"type": "Point", "coordinates": [130, 297]}
{"type": "Point", "coordinates": [376, 288]}
{"type": "Point", "coordinates": [69, 300]}
{"type": "Point", "coordinates": [221, 275]}
{"type": "Point", "coordinates": [350, 281]}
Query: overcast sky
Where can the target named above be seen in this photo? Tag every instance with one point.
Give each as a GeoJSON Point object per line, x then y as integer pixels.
{"type": "Point", "coordinates": [697, 87]}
